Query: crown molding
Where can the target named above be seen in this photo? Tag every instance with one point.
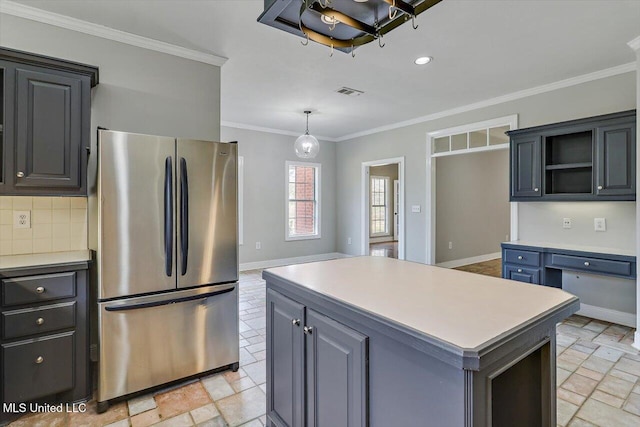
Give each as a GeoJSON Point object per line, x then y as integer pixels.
{"type": "Point", "coordinates": [608, 72]}
{"type": "Point", "coordinates": [62, 21]}
{"type": "Point", "coordinates": [635, 44]}
{"type": "Point", "coordinates": [245, 126]}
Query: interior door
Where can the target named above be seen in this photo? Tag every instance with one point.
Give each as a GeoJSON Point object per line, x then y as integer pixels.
{"type": "Point", "coordinates": [136, 192]}
{"type": "Point", "coordinates": [207, 207]}
{"type": "Point", "coordinates": [396, 208]}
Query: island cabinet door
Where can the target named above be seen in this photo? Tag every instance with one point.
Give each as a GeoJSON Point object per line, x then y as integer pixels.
{"type": "Point", "coordinates": [285, 357]}
{"type": "Point", "coordinates": [336, 373]}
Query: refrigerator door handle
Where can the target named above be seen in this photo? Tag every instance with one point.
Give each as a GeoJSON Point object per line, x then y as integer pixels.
{"type": "Point", "coordinates": [126, 307]}
{"type": "Point", "coordinates": [184, 215]}
{"type": "Point", "coordinates": [168, 216]}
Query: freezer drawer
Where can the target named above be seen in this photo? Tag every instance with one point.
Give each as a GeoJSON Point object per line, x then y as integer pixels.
{"type": "Point", "coordinates": [148, 341]}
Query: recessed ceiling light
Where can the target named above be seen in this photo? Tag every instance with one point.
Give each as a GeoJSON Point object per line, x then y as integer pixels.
{"type": "Point", "coordinates": [423, 60]}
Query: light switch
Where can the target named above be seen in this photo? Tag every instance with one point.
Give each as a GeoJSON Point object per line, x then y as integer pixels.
{"type": "Point", "coordinates": [566, 223]}
{"type": "Point", "coordinates": [600, 224]}
{"type": "Point", "coordinates": [415, 208]}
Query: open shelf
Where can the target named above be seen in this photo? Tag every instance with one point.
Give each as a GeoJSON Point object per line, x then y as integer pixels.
{"type": "Point", "coordinates": [569, 166]}
{"type": "Point", "coordinates": [569, 163]}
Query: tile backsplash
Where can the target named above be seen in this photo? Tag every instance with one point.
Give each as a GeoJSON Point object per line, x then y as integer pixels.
{"type": "Point", "coordinates": [57, 224]}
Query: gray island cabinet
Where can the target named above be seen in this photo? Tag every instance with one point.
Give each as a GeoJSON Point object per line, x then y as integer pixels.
{"type": "Point", "coordinates": [372, 341]}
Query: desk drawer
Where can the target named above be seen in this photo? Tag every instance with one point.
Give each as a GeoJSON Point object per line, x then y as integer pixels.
{"type": "Point", "coordinates": [34, 289]}
{"type": "Point", "coordinates": [36, 368]}
{"type": "Point", "coordinates": [515, 256]}
{"type": "Point", "coordinates": [596, 265]}
{"type": "Point", "coordinates": [526, 275]}
{"type": "Point", "coordinates": [31, 321]}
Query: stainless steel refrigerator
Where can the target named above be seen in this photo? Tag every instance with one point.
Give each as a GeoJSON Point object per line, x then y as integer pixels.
{"type": "Point", "coordinates": [167, 260]}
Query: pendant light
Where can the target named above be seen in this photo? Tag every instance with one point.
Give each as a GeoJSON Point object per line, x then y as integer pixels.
{"type": "Point", "coordinates": [306, 145]}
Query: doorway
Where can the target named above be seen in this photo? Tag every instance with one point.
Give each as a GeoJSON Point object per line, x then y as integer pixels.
{"type": "Point", "coordinates": [383, 208]}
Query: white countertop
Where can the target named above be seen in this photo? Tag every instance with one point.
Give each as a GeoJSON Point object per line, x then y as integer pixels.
{"type": "Point", "coordinates": [38, 260]}
{"type": "Point", "coordinates": [581, 248]}
{"type": "Point", "coordinates": [464, 309]}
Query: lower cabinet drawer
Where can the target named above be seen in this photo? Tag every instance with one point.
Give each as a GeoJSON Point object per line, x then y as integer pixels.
{"type": "Point", "coordinates": [596, 265]}
{"type": "Point", "coordinates": [519, 257]}
{"type": "Point", "coordinates": [527, 275]}
{"type": "Point", "coordinates": [34, 289]}
{"type": "Point", "coordinates": [30, 321]}
{"type": "Point", "coordinates": [36, 368]}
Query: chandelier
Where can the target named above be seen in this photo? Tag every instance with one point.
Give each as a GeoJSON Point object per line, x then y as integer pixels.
{"type": "Point", "coordinates": [342, 24]}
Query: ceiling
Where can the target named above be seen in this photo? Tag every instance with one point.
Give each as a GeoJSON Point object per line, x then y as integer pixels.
{"type": "Point", "coordinates": [481, 50]}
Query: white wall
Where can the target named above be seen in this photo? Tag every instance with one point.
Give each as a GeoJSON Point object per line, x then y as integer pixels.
{"type": "Point", "coordinates": [602, 96]}
{"type": "Point", "coordinates": [264, 196]}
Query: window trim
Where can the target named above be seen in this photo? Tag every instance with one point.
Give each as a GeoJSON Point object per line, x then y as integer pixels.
{"type": "Point", "coordinates": [387, 205]}
{"type": "Point", "coordinates": [318, 173]}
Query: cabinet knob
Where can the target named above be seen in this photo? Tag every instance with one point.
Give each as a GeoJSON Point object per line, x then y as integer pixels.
{"type": "Point", "coordinates": [20, 174]}
{"type": "Point", "coordinates": [296, 322]}
{"type": "Point", "coordinates": [586, 263]}
{"type": "Point", "coordinates": [519, 256]}
{"type": "Point", "coordinates": [536, 189]}
{"type": "Point", "coordinates": [39, 321]}
{"type": "Point", "coordinates": [519, 270]}
{"type": "Point", "coordinates": [308, 330]}
{"type": "Point", "coordinates": [599, 187]}
{"type": "Point", "coordinates": [40, 289]}
{"type": "Point", "coordinates": [39, 359]}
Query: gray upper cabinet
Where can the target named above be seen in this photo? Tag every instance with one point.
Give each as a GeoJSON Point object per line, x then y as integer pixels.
{"type": "Point", "coordinates": [525, 166]}
{"type": "Point", "coordinates": [580, 160]}
{"type": "Point", "coordinates": [616, 160]}
{"type": "Point", "coordinates": [45, 124]}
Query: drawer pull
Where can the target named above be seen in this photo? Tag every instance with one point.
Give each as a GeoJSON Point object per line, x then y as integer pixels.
{"type": "Point", "coordinates": [535, 189]}
{"type": "Point", "coordinates": [519, 256]}
{"type": "Point", "coordinates": [39, 359]}
{"type": "Point", "coordinates": [40, 289]}
{"type": "Point", "coordinates": [599, 187]}
{"type": "Point", "coordinates": [39, 321]}
{"type": "Point", "coordinates": [519, 270]}
{"type": "Point", "coordinates": [296, 322]}
{"type": "Point", "coordinates": [586, 263]}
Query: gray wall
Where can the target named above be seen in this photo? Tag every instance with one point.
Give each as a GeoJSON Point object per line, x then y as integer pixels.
{"type": "Point", "coordinates": [264, 196]}
{"type": "Point", "coordinates": [472, 204]}
{"type": "Point", "coordinates": [588, 99]}
{"type": "Point", "coordinates": [140, 90]}
{"type": "Point", "coordinates": [390, 171]}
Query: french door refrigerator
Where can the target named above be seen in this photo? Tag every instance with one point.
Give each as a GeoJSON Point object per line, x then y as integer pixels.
{"type": "Point", "coordinates": [167, 260]}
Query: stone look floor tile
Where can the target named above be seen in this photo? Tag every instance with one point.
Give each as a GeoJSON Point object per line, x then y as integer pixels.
{"type": "Point", "coordinates": [215, 422]}
{"type": "Point", "coordinates": [253, 423]}
{"type": "Point", "coordinates": [579, 384]}
{"type": "Point", "coordinates": [568, 361]}
{"type": "Point", "coordinates": [570, 396]}
{"type": "Point", "coordinates": [597, 326]}
{"type": "Point", "coordinates": [231, 376]}
{"type": "Point", "coordinates": [597, 364]}
{"type": "Point", "coordinates": [575, 353]}
{"type": "Point", "coordinates": [607, 398]}
{"type": "Point", "coordinates": [145, 419]}
{"type": "Point", "coordinates": [623, 375]}
{"type": "Point", "coordinates": [629, 366]}
{"type": "Point", "coordinates": [616, 386]}
{"type": "Point", "coordinates": [204, 413]}
{"type": "Point", "coordinates": [561, 376]}
{"type": "Point", "coordinates": [182, 400]}
{"type": "Point", "coordinates": [91, 417]}
{"type": "Point", "coordinates": [608, 354]}
{"type": "Point", "coordinates": [590, 374]}
{"type": "Point", "coordinates": [257, 371]}
{"type": "Point", "coordinates": [633, 404]}
{"type": "Point", "coordinates": [121, 423]}
{"type": "Point", "coordinates": [604, 415]}
{"type": "Point", "coordinates": [217, 387]}
{"type": "Point", "coordinates": [141, 404]}
{"type": "Point", "coordinates": [243, 407]}
{"type": "Point", "coordinates": [565, 411]}
{"type": "Point", "coordinates": [577, 422]}
{"type": "Point", "coordinates": [242, 384]}
{"type": "Point", "coordinates": [182, 420]}
{"type": "Point", "coordinates": [42, 419]}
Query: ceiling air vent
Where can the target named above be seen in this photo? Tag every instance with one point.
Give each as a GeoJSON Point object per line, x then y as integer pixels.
{"type": "Point", "coordinates": [349, 92]}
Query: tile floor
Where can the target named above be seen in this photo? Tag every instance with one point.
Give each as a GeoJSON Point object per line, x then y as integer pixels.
{"type": "Point", "coordinates": [488, 268]}
{"type": "Point", "coordinates": [385, 249]}
{"type": "Point", "coordinates": [597, 378]}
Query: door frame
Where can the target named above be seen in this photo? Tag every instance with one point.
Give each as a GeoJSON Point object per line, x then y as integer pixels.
{"type": "Point", "coordinates": [512, 121]}
{"type": "Point", "coordinates": [396, 208]}
{"type": "Point", "coordinates": [364, 196]}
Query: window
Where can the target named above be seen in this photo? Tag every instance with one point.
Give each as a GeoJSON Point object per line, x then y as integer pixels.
{"type": "Point", "coordinates": [481, 136]}
{"type": "Point", "coordinates": [379, 205]}
{"type": "Point", "coordinates": [303, 201]}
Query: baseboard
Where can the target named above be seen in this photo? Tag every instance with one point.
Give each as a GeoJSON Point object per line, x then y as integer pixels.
{"type": "Point", "coordinates": [466, 261]}
{"type": "Point", "coordinates": [636, 340]}
{"type": "Point", "coordinates": [609, 315]}
{"type": "Point", "coordinates": [382, 239]}
{"type": "Point", "coordinates": [288, 261]}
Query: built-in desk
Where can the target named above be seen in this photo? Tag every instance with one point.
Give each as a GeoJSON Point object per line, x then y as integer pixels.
{"type": "Point", "coordinates": [546, 264]}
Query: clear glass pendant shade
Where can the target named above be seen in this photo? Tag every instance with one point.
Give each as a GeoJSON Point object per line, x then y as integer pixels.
{"type": "Point", "coordinates": [307, 146]}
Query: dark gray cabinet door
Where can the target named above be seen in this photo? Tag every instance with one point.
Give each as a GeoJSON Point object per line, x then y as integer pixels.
{"type": "Point", "coordinates": [526, 172]}
{"type": "Point", "coordinates": [336, 374]}
{"type": "Point", "coordinates": [616, 161]}
{"type": "Point", "coordinates": [48, 131]}
{"type": "Point", "coordinates": [285, 357]}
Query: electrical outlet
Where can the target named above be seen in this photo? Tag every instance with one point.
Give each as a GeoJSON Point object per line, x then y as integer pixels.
{"type": "Point", "coordinates": [450, 245]}
{"type": "Point", "coordinates": [566, 223]}
{"type": "Point", "coordinates": [258, 245]}
{"type": "Point", "coordinates": [599, 224]}
{"type": "Point", "coordinates": [415, 208]}
{"type": "Point", "coordinates": [21, 219]}
{"type": "Point", "coordinates": [348, 240]}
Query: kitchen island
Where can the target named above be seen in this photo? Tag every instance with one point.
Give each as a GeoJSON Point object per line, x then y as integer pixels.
{"type": "Point", "coordinates": [372, 341]}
